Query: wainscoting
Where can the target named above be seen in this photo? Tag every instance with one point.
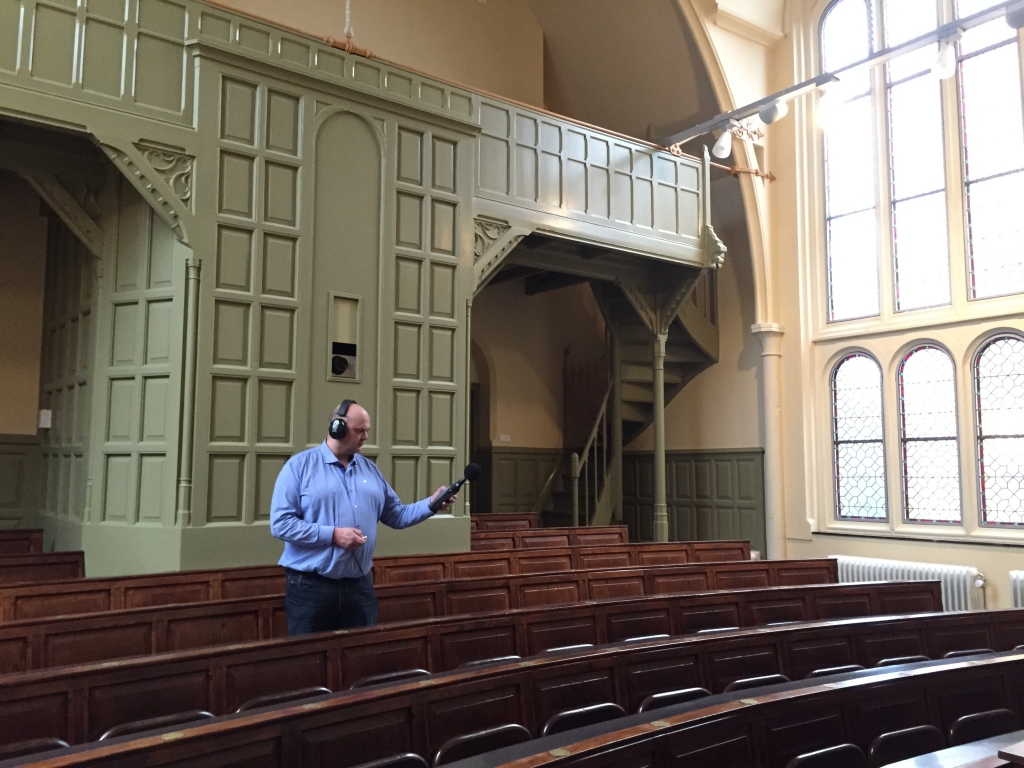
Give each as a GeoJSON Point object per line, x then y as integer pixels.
{"type": "Point", "coordinates": [711, 495]}
{"type": "Point", "coordinates": [20, 464]}
{"type": "Point", "coordinates": [512, 478]}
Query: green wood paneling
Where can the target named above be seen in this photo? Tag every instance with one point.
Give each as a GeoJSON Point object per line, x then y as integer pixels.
{"type": "Point", "coordinates": [513, 478]}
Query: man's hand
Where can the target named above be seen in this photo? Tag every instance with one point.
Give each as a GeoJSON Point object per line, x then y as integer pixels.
{"type": "Point", "coordinates": [348, 538]}
{"type": "Point", "coordinates": [448, 503]}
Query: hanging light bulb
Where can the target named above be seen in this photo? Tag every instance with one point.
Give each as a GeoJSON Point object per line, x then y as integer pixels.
{"type": "Point", "coordinates": [1015, 16]}
{"type": "Point", "coordinates": [945, 63]}
{"type": "Point", "coordinates": [774, 112]}
{"type": "Point", "coordinates": [723, 147]}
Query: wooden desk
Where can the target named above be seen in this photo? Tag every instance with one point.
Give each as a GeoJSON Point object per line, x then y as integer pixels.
{"type": "Point", "coordinates": [977, 754]}
{"type": "Point", "coordinates": [1014, 753]}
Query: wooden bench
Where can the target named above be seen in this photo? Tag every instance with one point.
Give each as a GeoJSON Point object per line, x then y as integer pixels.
{"type": "Point", "coordinates": [20, 541]}
{"type": "Point", "coordinates": [38, 567]}
{"type": "Point", "coordinates": [502, 521]}
{"type": "Point", "coordinates": [48, 642]}
{"type": "Point", "coordinates": [118, 593]}
{"type": "Point", "coordinates": [546, 538]}
{"type": "Point", "coordinates": [78, 703]}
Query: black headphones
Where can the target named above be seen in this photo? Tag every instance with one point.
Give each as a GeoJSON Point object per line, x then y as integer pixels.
{"type": "Point", "coordinates": [338, 427]}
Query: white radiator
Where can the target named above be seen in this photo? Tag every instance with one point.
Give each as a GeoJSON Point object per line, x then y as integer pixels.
{"type": "Point", "coordinates": [1017, 588]}
{"type": "Point", "coordinates": [963, 587]}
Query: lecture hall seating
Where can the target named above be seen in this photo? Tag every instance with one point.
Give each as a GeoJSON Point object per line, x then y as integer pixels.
{"type": "Point", "coordinates": [41, 566]}
{"type": "Point", "coordinates": [20, 541]}
{"type": "Point", "coordinates": [502, 521]}
{"type": "Point", "coordinates": [220, 679]}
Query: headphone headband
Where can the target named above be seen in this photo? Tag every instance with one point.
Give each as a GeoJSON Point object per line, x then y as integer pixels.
{"type": "Point", "coordinates": [338, 426]}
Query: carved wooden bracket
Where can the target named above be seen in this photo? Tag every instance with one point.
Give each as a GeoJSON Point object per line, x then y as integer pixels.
{"type": "Point", "coordinates": [70, 211]}
{"type": "Point", "coordinates": [163, 178]}
{"type": "Point", "coordinates": [714, 247]}
{"type": "Point", "coordinates": [493, 239]}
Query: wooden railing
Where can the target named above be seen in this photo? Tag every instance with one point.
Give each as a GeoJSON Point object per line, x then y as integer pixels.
{"type": "Point", "coordinates": [78, 703]}
{"type": "Point", "coordinates": [592, 465]}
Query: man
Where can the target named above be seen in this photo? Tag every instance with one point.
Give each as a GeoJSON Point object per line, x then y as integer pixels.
{"type": "Point", "coordinates": [326, 505]}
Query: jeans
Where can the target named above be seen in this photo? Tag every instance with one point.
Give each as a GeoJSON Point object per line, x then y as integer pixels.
{"type": "Point", "coordinates": [315, 603]}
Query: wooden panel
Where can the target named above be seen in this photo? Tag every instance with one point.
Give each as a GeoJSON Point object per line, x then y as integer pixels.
{"type": "Point", "coordinates": [376, 658]}
{"type": "Point", "coordinates": [665, 674]}
{"type": "Point", "coordinates": [805, 656]}
{"type": "Point", "coordinates": [261, 677]}
{"type": "Point", "coordinates": [770, 611]}
{"type": "Point", "coordinates": [474, 711]}
{"type": "Point", "coordinates": [663, 584]}
{"type": "Point", "coordinates": [747, 578]}
{"type": "Point", "coordinates": [623, 626]}
{"type": "Point", "coordinates": [20, 541]}
{"type": "Point", "coordinates": [37, 567]}
{"type": "Point", "coordinates": [750, 661]}
{"type": "Point", "coordinates": [557, 694]}
{"type": "Point", "coordinates": [471, 645]}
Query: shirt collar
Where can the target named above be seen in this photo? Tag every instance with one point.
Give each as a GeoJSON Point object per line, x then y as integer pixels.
{"type": "Point", "coordinates": [329, 458]}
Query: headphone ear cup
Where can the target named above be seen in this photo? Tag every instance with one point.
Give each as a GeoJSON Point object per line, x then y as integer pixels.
{"type": "Point", "coordinates": [337, 428]}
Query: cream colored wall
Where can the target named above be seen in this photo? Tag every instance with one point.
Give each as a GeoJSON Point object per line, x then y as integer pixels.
{"type": "Point", "coordinates": [523, 339]}
{"type": "Point", "coordinates": [23, 269]}
{"type": "Point", "coordinates": [495, 46]}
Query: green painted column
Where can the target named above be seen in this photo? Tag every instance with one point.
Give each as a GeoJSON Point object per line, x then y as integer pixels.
{"type": "Point", "coordinates": [660, 497]}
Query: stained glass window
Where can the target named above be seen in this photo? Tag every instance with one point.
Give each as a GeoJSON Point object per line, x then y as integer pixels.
{"type": "Point", "coordinates": [928, 437]}
{"type": "Point", "coordinates": [858, 453]}
{"type": "Point", "coordinates": [999, 399]}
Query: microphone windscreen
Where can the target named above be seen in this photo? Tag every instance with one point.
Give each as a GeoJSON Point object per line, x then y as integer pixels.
{"type": "Point", "coordinates": [472, 472]}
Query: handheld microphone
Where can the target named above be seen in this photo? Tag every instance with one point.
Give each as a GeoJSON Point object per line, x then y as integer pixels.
{"type": "Point", "coordinates": [471, 473]}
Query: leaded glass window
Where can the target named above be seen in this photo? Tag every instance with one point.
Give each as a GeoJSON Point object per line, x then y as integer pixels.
{"type": "Point", "coordinates": [858, 453]}
{"type": "Point", "coordinates": [928, 437]}
{"type": "Point", "coordinates": [999, 399]}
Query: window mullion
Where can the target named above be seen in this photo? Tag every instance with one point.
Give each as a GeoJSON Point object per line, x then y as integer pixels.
{"type": "Point", "coordinates": [956, 202]}
{"type": "Point", "coordinates": [883, 194]}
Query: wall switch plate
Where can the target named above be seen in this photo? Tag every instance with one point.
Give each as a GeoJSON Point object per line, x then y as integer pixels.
{"type": "Point", "coordinates": [755, 555]}
{"type": "Point", "coordinates": [504, 438]}
{"type": "Point", "coordinates": [45, 418]}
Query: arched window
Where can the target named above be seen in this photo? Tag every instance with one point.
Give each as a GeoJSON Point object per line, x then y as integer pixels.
{"type": "Point", "coordinates": [851, 221]}
{"type": "Point", "coordinates": [858, 454]}
{"type": "Point", "coordinates": [999, 399]}
{"type": "Point", "coordinates": [929, 457]}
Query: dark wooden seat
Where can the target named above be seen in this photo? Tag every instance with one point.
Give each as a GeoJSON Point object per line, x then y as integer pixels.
{"type": "Point", "coordinates": [840, 670]}
{"type": "Point", "coordinates": [982, 725]}
{"type": "Point", "coordinates": [581, 717]}
{"type": "Point", "coordinates": [841, 756]}
{"type": "Point", "coordinates": [568, 648]}
{"type": "Point", "coordinates": [78, 703]}
{"type": "Point", "coordinates": [671, 698]}
{"type": "Point", "coordinates": [31, 747]}
{"type": "Point", "coordinates": [709, 630]}
{"type": "Point", "coordinates": [478, 742]}
{"type": "Point", "coordinates": [408, 760]}
{"type": "Point", "coordinates": [645, 638]}
{"type": "Point", "coordinates": [755, 682]}
{"type": "Point", "coordinates": [894, 661]}
{"type": "Point", "coordinates": [904, 744]}
{"type": "Point", "coordinates": [968, 652]}
{"type": "Point", "coordinates": [274, 699]}
{"type": "Point", "coordinates": [152, 723]}
{"type": "Point", "coordinates": [389, 677]}
{"type": "Point", "coordinates": [491, 660]}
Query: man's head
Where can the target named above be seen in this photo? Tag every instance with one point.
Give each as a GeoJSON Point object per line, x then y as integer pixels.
{"type": "Point", "coordinates": [358, 421]}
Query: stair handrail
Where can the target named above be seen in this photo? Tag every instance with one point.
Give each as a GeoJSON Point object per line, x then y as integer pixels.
{"type": "Point", "coordinates": [549, 484]}
{"type": "Point", "coordinates": [581, 466]}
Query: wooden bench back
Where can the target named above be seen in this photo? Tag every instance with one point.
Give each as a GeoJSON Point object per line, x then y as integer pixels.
{"type": "Point", "coordinates": [36, 567]}
{"type": "Point", "coordinates": [502, 521]}
{"type": "Point", "coordinates": [20, 541]}
{"type": "Point", "coordinates": [28, 601]}
{"type": "Point", "coordinates": [78, 703]}
{"type": "Point", "coordinates": [546, 538]}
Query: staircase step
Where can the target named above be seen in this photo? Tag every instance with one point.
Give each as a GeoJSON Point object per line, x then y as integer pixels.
{"type": "Point", "coordinates": [643, 354]}
{"type": "Point", "coordinates": [637, 392]}
{"type": "Point", "coordinates": [633, 411]}
{"type": "Point", "coordinates": [632, 372]}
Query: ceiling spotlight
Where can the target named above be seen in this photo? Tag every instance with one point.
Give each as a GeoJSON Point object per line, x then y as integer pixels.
{"type": "Point", "coordinates": [1015, 16]}
{"type": "Point", "coordinates": [723, 147]}
{"type": "Point", "coordinates": [773, 112]}
{"type": "Point", "coordinates": [945, 63]}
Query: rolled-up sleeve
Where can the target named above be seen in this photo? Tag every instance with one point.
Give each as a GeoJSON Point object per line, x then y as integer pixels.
{"type": "Point", "coordinates": [395, 514]}
{"type": "Point", "coordinates": [286, 520]}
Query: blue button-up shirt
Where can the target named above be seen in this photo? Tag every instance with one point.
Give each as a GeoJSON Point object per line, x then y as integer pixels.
{"type": "Point", "coordinates": [314, 494]}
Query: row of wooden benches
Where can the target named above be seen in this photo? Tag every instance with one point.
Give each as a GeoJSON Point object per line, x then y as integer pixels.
{"type": "Point", "coordinates": [23, 541]}
{"type": "Point", "coordinates": [32, 600]}
{"type": "Point", "coordinates": [53, 641]}
{"type": "Point", "coordinates": [78, 703]}
{"type": "Point", "coordinates": [58, 566]}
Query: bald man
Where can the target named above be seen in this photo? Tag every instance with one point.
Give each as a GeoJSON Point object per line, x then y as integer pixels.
{"type": "Point", "coordinates": [326, 505]}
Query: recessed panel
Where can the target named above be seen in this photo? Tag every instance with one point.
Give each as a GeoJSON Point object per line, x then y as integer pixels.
{"type": "Point", "coordinates": [405, 430]}
{"type": "Point", "coordinates": [443, 164]}
{"type": "Point", "coordinates": [276, 338]}
{"type": "Point", "coordinates": [442, 354]}
{"type": "Point", "coordinates": [116, 482]}
{"type": "Point", "coordinates": [159, 72]}
{"type": "Point", "coordinates": [225, 489]}
{"type": "Point", "coordinates": [119, 410]}
{"type": "Point", "coordinates": [398, 84]}
{"type": "Point", "coordinates": [267, 470]}
{"type": "Point", "coordinates": [405, 477]}
{"type": "Point", "coordinates": [274, 422]}
{"type": "Point", "coordinates": [231, 333]}
{"type": "Point", "coordinates": [238, 111]}
{"type": "Point", "coordinates": [125, 327]}
{"type": "Point", "coordinates": [53, 45]}
{"type": "Point", "coordinates": [155, 391]}
{"type": "Point", "coordinates": [280, 202]}
{"type": "Point", "coordinates": [407, 351]}
{"type": "Point", "coordinates": [253, 39]}
{"type": "Point", "coordinates": [228, 408]}
{"type": "Point", "coordinates": [236, 185]}
{"type": "Point", "coordinates": [278, 266]}
{"type": "Point", "coordinates": [442, 227]}
{"type": "Point", "coordinates": [408, 221]}
{"type": "Point", "coordinates": [152, 491]}
{"type": "Point", "coordinates": [439, 472]}
{"type": "Point", "coordinates": [283, 120]}
{"type": "Point", "coordinates": [366, 74]}
{"type": "Point", "coordinates": [297, 53]}
{"type": "Point", "coordinates": [441, 418]}
{"type": "Point", "coordinates": [234, 258]}
{"type": "Point", "coordinates": [407, 285]}
{"type": "Point", "coordinates": [103, 57]}
{"type": "Point", "coordinates": [410, 156]}
{"type": "Point", "coordinates": [494, 172]}
{"type": "Point", "coordinates": [442, 290]}
{"type": "Point", "coordinates": [158, 332]}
